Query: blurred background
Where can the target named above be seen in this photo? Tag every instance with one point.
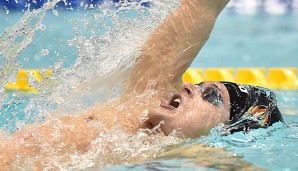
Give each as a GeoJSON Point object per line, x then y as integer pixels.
{"type": "Point", "coordinates": [249, 33]}
{"type": "Point", "coordinates": [236, 6]}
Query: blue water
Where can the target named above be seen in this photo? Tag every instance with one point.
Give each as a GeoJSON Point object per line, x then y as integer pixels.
{"type": "Point", "coordinates": [237, 41]}
{"type": "Point", "coordinates": [251, 41]}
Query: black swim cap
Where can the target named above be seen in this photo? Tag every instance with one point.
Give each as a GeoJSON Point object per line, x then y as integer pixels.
{"type": "Point", "coordinates": [251, 107]}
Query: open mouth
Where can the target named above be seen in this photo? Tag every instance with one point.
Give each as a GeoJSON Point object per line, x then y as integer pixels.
{"type": "Point", "coordinates": [173, 103]}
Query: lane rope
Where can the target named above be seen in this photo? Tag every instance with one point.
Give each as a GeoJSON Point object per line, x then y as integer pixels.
{"type": "Point", "coordinates": [273, 78]}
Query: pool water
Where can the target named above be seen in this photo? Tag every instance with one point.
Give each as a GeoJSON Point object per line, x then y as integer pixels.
{"type": "Point", "coordinates": [259, 40]}
{"type": "Point", "coordinates": [238, 40]}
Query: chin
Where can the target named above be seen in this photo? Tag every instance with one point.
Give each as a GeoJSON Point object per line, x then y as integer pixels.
{"type": "Point", "coordinates": [155, 117]}
{"type": "Point", "coordinates": [160, 114]}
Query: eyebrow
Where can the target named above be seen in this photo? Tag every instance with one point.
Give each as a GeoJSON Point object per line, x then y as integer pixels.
{"type": "Point", "coordinates": [216, 86]}
{"type": "Point", "coordinates": [212, 84]}
{"type": "Point", "coordinates": [200, 85]}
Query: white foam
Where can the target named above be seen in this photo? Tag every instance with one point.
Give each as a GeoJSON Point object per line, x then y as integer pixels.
{"type": "Point", "coordinates": [104, 59]}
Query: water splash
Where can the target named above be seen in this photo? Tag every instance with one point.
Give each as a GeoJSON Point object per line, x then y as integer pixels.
{"type": "Point", "coordinates": [112, 146]}
{"type": "Point", "coordinates": [15, 40]}
{"type": "Point", "coordinates": [91, 61]}
{"type": "Point", "coordinates": [103, 47]}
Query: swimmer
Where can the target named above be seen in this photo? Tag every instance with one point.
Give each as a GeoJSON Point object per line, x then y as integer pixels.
{"type": "Point", "coordinates": [157, 73]}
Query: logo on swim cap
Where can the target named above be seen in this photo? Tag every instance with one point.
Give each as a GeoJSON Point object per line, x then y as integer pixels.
{"type": "Point", "coordinates": [251, 107]}
{"type": "Point", "coordinates": [242, 88]}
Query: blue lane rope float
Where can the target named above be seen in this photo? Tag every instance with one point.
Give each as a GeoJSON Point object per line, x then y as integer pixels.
{"type": "Point", "coordinates": [274, 78]}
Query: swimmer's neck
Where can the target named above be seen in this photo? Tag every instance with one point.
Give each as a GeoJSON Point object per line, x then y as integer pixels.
{"type": "Point", "coordinates": [125, 111]}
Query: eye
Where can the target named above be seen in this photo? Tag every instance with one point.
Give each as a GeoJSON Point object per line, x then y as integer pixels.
{"type": "Point", "coordinates": [213, 96]}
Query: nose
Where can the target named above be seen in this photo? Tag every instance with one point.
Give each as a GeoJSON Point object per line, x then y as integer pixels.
{"type": "Point", "coordinates": [189, 89]}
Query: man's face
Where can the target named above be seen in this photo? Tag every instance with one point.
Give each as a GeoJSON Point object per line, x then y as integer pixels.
{"type": "Point", "coordinates": [193, 111]}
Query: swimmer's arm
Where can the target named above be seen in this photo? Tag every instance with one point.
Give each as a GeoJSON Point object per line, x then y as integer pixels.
{"type": "Point", "coordinates": [175, 43]}
{"type": "Point", "coordinates": [62, 136]}
{"type": "Point", "coordinates": [211, 157]}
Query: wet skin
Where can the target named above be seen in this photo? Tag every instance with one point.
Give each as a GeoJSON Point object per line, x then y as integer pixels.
{"type": "Point", "coordinates": [193, 111]}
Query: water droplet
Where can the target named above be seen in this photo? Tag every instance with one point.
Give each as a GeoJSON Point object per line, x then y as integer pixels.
{"type": "Point", "coordinates": [81, 4]}
{"type": "Point", "coordinates": [44, 52]}
{"type": "Point", "coordinates": [42, 27]}
{"type": "Point", "coordinates": [55, 12]}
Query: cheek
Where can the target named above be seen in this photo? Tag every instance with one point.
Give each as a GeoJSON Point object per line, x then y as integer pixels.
{"type": "Point", "coordinates": [216, 115]}
{"type": "Point", "coordinates": [201, 120]}
{"type": "Point", "coordinates": [192, 121]}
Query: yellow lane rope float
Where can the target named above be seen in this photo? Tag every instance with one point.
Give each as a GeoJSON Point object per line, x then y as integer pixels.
{"type": "Point", "coordinates": [23, 78]}
{"type": "Point", "coordinates": [274, 78]}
